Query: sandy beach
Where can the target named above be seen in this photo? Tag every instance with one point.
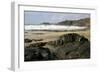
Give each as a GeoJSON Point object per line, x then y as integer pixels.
{"type": "Point", "coordinates": [52, 35]}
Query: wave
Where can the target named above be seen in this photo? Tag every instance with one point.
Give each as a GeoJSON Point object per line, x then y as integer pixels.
{"type": "Point", "coordinates": [53, 27]}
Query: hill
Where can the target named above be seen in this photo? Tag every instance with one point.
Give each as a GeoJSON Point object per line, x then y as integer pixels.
{"type": "Point", "coordinates": [80, 22]}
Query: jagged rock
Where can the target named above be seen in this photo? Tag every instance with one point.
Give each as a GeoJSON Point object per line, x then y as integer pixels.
{"type": "Point", "coordinates": [71, 46]}
{"type": "Point", "coordinates": [37, 40]}
{"type": "Point", "coordinates": [70, 37]}
{"type": "Point", "coordinates": [39, 44]}
{"type": "Point", "coordinates": [27, 40]}
{"type": "Point", "coordinates": [36, 54]}
{"type": "Point", "coordinates": [68, 46]}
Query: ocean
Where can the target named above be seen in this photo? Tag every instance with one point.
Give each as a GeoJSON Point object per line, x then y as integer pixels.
{"type": "Point", "coordinates": [53, 27]}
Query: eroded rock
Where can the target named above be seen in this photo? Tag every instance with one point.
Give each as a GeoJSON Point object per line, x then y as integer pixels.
{"type": "Point", "coordinates": [74, 47]}
{"type": "Point", "coordinates": [27, 40]}
{"type": "Point", "coordinates": [74, 51]}
{"type": "Point", "coordinates": [36, 54]}
{"type": "Point", "coordinates": [68, 46]}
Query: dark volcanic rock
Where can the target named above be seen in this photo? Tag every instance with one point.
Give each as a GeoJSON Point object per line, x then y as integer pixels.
{"type": "Point", "coordinates": [67, 46]}
{"type": "Point", "coordinates": [38, 54]}
{"type": "Point", "coordinates": [38, 44]}
{"type": "Point", "coordinates": [27, 40]}
{"type": "Point", "coordinates": [38, 40]}
{"type": "Point", "coordinates": [71, 46]}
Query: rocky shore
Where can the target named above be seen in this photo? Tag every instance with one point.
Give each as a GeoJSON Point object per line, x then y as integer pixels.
{"type": "Point", "coordinates": [67, 46]}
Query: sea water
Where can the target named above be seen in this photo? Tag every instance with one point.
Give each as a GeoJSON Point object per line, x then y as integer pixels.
{"type": "Point", "coordinates": [53, 27]}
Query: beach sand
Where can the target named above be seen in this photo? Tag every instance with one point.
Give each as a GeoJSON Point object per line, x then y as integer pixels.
{"type": "Point", "coordinates": [46, 36]}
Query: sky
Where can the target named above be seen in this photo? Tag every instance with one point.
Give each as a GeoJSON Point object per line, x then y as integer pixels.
{"type": "Point", "coordinates": [37, 17]}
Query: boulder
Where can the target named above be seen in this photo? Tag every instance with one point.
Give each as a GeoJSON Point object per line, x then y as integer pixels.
{"type": "Point", "coordinates": [27, 40]}
{"type": "Point", "coordinates": [38, 44]}
{"type": "Point", "coordinates": [38, 54]}
{"type": "Point", "coordinates": [67, 46]}
{"type": "Point", "coordinates": [71, 46]}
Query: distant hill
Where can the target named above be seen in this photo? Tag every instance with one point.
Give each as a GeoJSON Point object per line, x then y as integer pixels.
{"type": "Point", "coordinates": [66, 22]}
{"type": "Point", "coordinates": [80, 22]}
{"type": "Point", "coordinates": [46, 23]}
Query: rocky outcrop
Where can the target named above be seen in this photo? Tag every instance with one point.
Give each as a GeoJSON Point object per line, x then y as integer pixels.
{"type": "Point", "coordinates": [27, 40]}
{"type": "Point", "coordinates": [38, 44]}
{"type": "Point", "coordinates": [38, 54]}
{"type": "Point", "coordinates": [67, 46]}
{"type": "Point", "coordinates": [71, 46]}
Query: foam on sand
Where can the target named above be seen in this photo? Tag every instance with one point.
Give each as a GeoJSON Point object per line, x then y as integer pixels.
{"type": "Point", "coordinates": [53, 27]}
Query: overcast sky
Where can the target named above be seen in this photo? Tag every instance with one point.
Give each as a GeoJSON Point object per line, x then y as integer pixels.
{"type": "Point", "coordinates": [33, 17]}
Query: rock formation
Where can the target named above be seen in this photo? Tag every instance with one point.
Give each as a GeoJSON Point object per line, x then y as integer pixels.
{"type": "Point", "coordinates": [67, 46]}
